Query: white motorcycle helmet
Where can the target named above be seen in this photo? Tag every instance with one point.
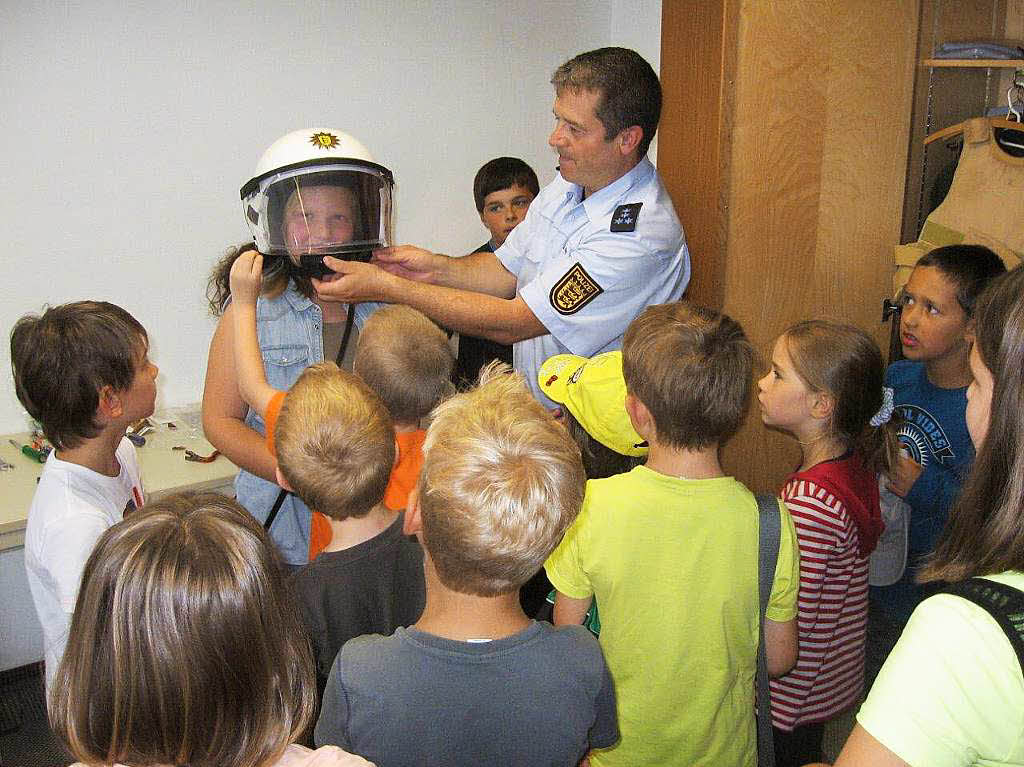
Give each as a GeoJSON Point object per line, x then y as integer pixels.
{"type": "Point", "coordinates": [318, 192]}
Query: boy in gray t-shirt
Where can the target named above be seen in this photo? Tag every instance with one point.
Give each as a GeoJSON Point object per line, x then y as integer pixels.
{"type": "Point", "coordinates": [475, 681]}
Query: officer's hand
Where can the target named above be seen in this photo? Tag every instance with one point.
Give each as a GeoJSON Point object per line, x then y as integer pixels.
{"type": "Point", "coordinates": [410, 262]}
{"type": "Point", "coordinates": [903, 476]}
{"type": "Point", "coordinates": [353, 282]}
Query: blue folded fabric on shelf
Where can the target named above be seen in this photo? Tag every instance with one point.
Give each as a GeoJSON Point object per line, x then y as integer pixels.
{"type": "Point", "coordinates": [978, 49]}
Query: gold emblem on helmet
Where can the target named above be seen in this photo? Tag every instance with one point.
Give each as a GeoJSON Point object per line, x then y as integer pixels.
{"type": "Point", "coordinates": [324, 140]}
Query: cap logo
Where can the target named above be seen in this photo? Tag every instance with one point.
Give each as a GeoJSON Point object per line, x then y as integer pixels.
{"type": "Point", "coordinates": [576, 375]}
{"type": "Point", "coordinates": [324, 140]}
{"type": "Point", "coordinates": [574, 290]}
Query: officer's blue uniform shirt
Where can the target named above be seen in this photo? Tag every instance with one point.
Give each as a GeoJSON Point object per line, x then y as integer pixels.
{"type": "Point", "coordinates": [586, 269]}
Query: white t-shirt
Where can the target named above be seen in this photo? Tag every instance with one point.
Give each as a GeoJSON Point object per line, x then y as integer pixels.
{"type": "Point", "coordinates": [70, 510]}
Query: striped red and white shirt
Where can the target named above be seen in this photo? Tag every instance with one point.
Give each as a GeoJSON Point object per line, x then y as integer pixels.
{"type": "Point", "coordinates": [832, 611]}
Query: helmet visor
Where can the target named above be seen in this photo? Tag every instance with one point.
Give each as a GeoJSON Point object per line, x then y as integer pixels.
{"type": "Point", "coordinates": [340, 209]}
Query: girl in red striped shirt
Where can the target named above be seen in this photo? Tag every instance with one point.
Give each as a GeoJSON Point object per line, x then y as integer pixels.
{"type": "Point", "coordinates": [825, 388]}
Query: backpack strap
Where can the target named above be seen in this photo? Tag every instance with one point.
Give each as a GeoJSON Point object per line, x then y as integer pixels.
{"type": "Point", "coordinates": [1004, 603]}
{"type": "Point", "coordinates": [769, 536]}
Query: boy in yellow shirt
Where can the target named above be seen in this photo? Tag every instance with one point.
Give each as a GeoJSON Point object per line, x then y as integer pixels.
{"type": "Point", "coordinates": [669, 552]}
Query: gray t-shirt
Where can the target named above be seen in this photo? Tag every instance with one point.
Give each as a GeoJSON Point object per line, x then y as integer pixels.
{"type": "Point", "coordinates": [541, 697]}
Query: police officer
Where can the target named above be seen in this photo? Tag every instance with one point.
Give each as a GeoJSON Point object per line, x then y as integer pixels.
{"type": "Point", "coordinates": [601, 242]}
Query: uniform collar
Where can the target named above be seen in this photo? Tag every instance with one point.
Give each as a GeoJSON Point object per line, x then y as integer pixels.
{"type": "Point", "coordinates": [603, 201]}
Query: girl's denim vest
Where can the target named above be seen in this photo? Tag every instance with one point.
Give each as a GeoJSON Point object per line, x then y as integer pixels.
{"type": "Point", "coordinates": [291, 338]}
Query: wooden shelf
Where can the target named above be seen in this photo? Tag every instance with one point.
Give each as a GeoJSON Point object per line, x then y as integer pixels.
{"type": "Point", "coordinates": [986, 63]}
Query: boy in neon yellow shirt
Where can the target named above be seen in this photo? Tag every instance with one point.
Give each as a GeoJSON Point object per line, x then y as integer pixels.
{"type": "Point", "coordinates": [669, 552]}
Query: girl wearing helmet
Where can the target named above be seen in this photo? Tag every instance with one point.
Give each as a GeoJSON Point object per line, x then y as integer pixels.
{"type": "Point", "coordinates": [315, 192]}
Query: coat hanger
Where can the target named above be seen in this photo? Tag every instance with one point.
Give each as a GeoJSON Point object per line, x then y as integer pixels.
{"type": "Point", "coordinates": [995, 122]}
{"type": "Point", "coordinates": [1014, 97]}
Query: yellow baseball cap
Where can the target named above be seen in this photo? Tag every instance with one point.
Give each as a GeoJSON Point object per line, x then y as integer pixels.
{"type": "Point", "coordinates": [594, 391]}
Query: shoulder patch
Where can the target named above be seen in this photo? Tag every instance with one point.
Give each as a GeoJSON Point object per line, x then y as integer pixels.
{"type": "Point", "coordinates": [624, 218]}
{"type": "Point", "coordinates": [574, 290]}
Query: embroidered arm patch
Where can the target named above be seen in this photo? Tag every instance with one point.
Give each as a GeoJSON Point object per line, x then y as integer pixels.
{"type": "Point", "coordinates": [574, 290]}
{"type": "Point", "coordinates": [624, 218]}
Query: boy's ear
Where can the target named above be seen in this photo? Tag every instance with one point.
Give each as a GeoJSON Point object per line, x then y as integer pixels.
{"type": "Point", "coordinates": [281, 480]}
{"type": "Point", "coordinates": [639, 416]}
{"type": "Point", "coordinates": [629, 139]}
{"type": "Point", "coordinates": [110, 405]}
{"type": "Point", "coordinates": [412, 523]}
{"type": "Point", "coordinates": [969, 330]}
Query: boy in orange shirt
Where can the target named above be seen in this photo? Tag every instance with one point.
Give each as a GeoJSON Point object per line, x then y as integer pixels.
{"type": "Point", "coordinates": [336, 446]}
{"type": "Point", "coordinates": [403, 356]}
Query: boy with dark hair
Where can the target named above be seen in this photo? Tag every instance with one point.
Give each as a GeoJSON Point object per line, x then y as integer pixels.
{"type": "Point", "coordinates": [669, 553]}
{"type": "Point", "coordinates": [930, 396]}
{"type": "Point", "coordinates": [81, 370]}
{"type": "Point", "coordinates": [475, 681]}
{"type": "Point", "coordinates": [335, 446]}
{"type": "Point", "coordinates": [503, 190]}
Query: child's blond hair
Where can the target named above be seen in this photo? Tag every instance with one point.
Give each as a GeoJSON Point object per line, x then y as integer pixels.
{"type": "Point", "coordinates": [406, 359]}
{"type": "Point", "coordinates": [501, 482]}
{"type": "Point", "coordinates": [692, 368]}
{"type": "Point", "coordinates": [335, 442]}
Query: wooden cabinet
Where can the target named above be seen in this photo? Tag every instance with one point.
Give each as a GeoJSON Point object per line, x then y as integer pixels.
{"type": "Point", "coordinates": [784, 145]}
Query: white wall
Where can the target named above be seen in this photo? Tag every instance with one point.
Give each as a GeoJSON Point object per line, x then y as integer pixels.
{"type": "Point", "coordinates": [128, 127]}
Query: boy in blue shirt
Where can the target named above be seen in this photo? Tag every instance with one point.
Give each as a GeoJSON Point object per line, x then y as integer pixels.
{"type": "Point", "coordinates": [475, 681]}
{"type": "Point", "coordinates": [930, 396]}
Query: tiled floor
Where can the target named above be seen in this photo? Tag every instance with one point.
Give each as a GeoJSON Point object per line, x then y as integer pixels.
{"type": "Point", "coordinates": [25, 737]}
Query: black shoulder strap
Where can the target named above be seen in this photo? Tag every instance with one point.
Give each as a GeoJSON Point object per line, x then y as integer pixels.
{"type": "Point", "coordinates": [1004, 603]}
{"type": "Point", "coordinates": [269, 521]}
{"type": "Point", "coordinates": [349, 320]}
{"type": "Point", "coordinates": [769, 535]}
